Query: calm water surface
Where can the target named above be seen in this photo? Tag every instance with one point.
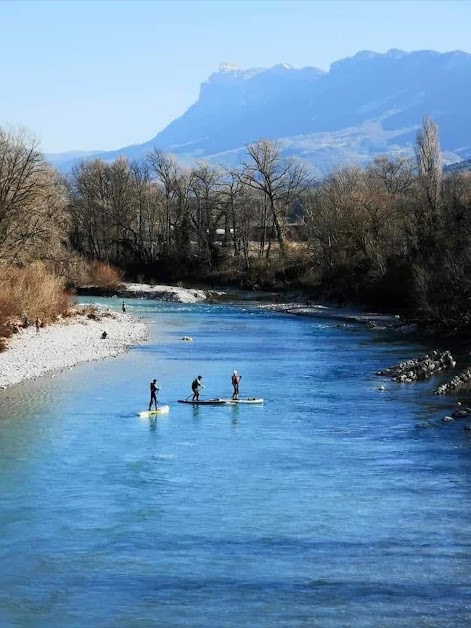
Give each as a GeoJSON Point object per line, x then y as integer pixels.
{"type": "Point", "coordinates": [327, 506]}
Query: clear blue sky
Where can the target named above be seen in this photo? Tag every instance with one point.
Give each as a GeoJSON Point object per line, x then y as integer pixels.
{"type": "Point", "coordinates": [104, 74]}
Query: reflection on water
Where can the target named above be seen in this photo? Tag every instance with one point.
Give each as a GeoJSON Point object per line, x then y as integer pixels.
{"type": "Point", "coordinates": [326, 506]}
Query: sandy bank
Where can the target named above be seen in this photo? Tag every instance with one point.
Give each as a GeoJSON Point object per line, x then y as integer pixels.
{"type": "Point", "coordinates": [63, 345]}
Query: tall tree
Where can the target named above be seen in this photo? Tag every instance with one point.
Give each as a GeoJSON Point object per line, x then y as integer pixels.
{"type": "Point", "coordinates": [430, 170]}
{"type": "Point", "coordinates": [32, 201]}
{"type": "Point", "coordinates": [278, 179]}
{"type": "Point", "coordinates": [207, 214]}
{"type": "Point", "coordinates": [165, 172]}
{"type": "Point", "coordinates": [239, 209]}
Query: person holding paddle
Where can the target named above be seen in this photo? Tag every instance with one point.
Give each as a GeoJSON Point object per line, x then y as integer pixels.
{"type": "Point", "coordinates": [154, 389]}
{"type": "Point", "coordinates": [195, 387]}
{"type": "Point", "coordinates": [235, 384]}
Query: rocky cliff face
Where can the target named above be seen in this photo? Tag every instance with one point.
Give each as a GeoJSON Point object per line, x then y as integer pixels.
{"type": "Point", "coordinates": [365, 105]}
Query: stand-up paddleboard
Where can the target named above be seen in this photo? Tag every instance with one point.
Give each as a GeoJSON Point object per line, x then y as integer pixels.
{"type": "Point", "coordinates": [247, 400]}
{"type": "Point", "coordinates": [149, 413]}
{"type": "Point", "coordinates": [204, 402]}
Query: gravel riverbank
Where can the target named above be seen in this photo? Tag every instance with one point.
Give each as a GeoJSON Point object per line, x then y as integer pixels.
{"type": "Point", "coordinates": [342, 315]}
{"type": "Point", "coordinates": [161, 292]}
{"type": "Point", "coordinates": [67, 343]}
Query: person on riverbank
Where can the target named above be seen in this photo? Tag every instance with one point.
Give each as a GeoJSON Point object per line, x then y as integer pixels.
{"type": "Point", "coordinates": [154, 389]}
{"type": "Point", "coordinates": [38, 324]}
{"type": "Point", "coordinates": [123, 307]}
{"type": "Point", "coordinates": [195, 387]}
{"type": "Point", "coordinates": [235, 384]}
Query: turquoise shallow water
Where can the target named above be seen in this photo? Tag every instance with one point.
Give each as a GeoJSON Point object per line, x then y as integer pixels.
{"type": "Point", "coordinates": [325, 507]}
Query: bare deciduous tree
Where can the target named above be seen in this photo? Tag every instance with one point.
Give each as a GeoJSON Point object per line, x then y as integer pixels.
{"type": "Point", "coordinates": [279, 180]}
{"type": "Point", "coordinates": [32, 201]}
{"type": "Point", "coordinates": [239, 208]}
{"type": "Point", "coordinates": [165, 170]}
{"type": "Point", "coordinates": [395, 173]}
{"type": "Point", "coordinates": [207, 214]}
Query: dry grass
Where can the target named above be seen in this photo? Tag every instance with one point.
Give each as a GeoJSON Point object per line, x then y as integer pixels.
{"type": "Point", "coordinates": [79, 272]}
{"type": "Point", "coordinates": [104, 275]}
{"type": "Point", "coordinates": [28, 293]}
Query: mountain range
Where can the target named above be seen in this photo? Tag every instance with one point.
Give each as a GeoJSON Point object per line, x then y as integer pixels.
{"type": "Point", "coordinates": [363, 106]}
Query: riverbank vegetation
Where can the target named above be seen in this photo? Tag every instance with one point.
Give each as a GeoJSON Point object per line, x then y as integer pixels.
{"type": "Point", "coordinates": [394, 235]}
{"type": "Point", "coordinates": [28, 293]}
{"type": "Point", "coordinates": [37, 262]}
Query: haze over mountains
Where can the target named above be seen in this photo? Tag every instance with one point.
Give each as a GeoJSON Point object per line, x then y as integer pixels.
{"type": "Point", "coordinates": [363, 106]}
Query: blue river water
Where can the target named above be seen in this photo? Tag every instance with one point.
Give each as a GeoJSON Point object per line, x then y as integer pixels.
{"type": "Point", "coordinates": [327, 506]}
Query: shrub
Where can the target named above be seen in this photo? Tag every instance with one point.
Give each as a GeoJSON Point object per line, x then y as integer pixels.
{"type": "Point", "coordinates": [104, 275]}
{"type": "Point", "coordinates": [80, 272]}
{"type": "Point", "coordinates": [28, 293]}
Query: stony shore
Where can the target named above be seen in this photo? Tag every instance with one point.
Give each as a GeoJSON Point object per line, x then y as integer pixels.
{"type": "Point", "coordinates": [64, 344]}
{"type": "Point", "coordinates": [77, 339]}
{"type": "Point", "coordinates": [157, 292]}
{"type": "Point", "coordinates": [342, 315]}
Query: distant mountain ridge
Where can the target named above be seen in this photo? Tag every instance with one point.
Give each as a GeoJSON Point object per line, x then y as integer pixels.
{"type": "Point", "coordinates": [459, 166]}
{"type": "Point", "coordinates": [363, 106]}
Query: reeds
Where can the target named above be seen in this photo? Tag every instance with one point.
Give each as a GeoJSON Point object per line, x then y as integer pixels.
{"type": "Point", "coordinates": [104, 275]}
{"type": "Point", "coordinates": [28, 293]}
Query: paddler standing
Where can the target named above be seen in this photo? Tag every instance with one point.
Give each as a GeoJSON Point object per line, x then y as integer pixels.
{"type": "Point", "coordinates": [235, 384]}
{"type": "Point", "coordinates": [154, 389]}
{"type": "Point", "coordinates": [195, 387]}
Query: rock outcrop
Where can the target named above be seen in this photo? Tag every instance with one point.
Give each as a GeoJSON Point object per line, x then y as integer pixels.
{"type": "Point", "coordinates": [457, 382]}
{"type": "Point", "coordinates": [420, 368]}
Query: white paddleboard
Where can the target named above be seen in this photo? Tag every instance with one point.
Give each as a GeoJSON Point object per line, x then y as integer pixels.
{"type": "Point", "coordinates": [149, 413]}
{"type": "Point", "coordinates": [204, 402]}
{"type": "Point", "coordinates": [248, 400]}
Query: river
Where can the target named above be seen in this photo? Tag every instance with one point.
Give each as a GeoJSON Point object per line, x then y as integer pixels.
{"type": "Point", "coordinates": [327, 506]}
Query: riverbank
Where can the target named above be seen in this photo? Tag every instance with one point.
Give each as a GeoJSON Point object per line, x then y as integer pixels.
{"type": "Point", "coordinates": [180, 294]}
{"type": "Point", "coordinates": [67, 343]}
{"type": "Point", "coordinates": [342, 314]}
{"type": "Point", "coordinates": [158, 292]}
{"type": "Point", "coordinates": [294, 303]}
